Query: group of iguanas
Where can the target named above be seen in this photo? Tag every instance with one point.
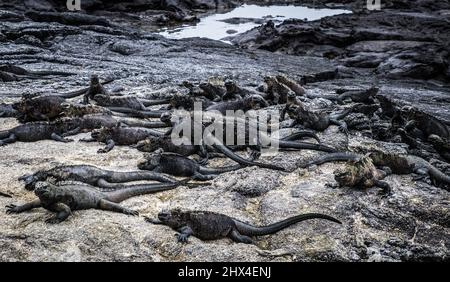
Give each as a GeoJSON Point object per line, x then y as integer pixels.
{"type": "Point", "coordinates": [116, 119]}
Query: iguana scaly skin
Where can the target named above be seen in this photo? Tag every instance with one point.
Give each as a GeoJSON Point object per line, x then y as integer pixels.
{"type": "Point", "coordinates": [251, 102]}
{"type": "Point", "coordinates": [120, 136]}
{"type": "Point", "coordinates": [178, 165]}
{"type": "Point", "coordinates": [64, 199]}
{"type": "Point", "coordinates": [362, 173]}
{"type": "Point", "coordinates": [41, 108]}
{"type": "Point", "coordinates": [406, 164]}
{"type": "Point", "coordinates": [211, 226]}
{"type": "Point", "coordinates": [36, 131]}
{"type": "Point", "coordinates": [91, 175]}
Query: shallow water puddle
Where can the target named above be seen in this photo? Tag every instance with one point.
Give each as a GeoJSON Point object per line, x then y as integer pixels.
{"type": "Point", "coordinates": [214, 26]}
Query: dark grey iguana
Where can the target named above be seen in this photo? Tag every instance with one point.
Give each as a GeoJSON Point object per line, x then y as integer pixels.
{"type": "Point", "coordinates": [118, 135]}
{"type": "Point", "coordinates": [211, 226]}
{"type": "Point", "coordinates": [251, 102]}
{"type": "Point", "coordinates": [64, 199]}
{"type": "Point", "coordinates": [178, 165]}
{"type": "Point", "coordinates": [36, 131]}
{"type": "Point", "coordinates": [91, 175]}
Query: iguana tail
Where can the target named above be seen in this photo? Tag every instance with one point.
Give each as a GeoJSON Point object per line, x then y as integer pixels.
{"type": "Point", "coordinates": [333, 157]}
{"type": "Point", "coordinates": [249, 230]}
{"type": "Point", "coordinates": [305, 146]}
{"type": "Point", "coordinates": [4, 134]}
{"type": "Point", "coordinates": [143, 189]}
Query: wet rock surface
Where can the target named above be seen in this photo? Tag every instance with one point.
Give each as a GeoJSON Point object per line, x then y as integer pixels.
{"type": "Point", "coordinates": [410, 225]}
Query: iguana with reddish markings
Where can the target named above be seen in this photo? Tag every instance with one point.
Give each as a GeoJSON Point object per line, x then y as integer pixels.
{"type": "Point", "coordinates": [207, 225]}
{"type": "Point", "coordinates": [362, 173]}
{"type": "Point", "coordinates": [63, 200]}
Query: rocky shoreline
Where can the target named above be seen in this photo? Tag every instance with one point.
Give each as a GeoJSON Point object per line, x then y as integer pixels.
{"type": "Point", "coordinates": [403, 53]}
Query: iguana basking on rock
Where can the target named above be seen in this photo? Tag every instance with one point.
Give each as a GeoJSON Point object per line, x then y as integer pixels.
{"type": "Point", "coordinates": [8, 110]}
{"type": "Point", "coordinates": [118, 135]}
{"type": "Point", "coordinates": [362, 173]}
{"type": "Point", "coordinates": [91, 175]}
{"type": "Point", "coordinates": [64, 199]}
{"type": "Point", "coordinates": [317, 120]}
{"type": "Point", "coordinates": [10, 72]}
{"type": "Point", "coordinates": [178, 165]}
{"type": "Point", "coordinates": [397, 163]}
{"type": "Point", "coordinates": [234, 91]}
{"type": "Point", "coordinates": [359, 96]}
{"type": "Point", "coordinates": [40, 108]}
{"type": "Point", "coordinates": [251, 102]}
{"type": "Point", "coordinates": [36, 131]}
{"type": "Point", "coordinates": [212, 226]}
{"type": "Point", "coordinates": [95, 87]}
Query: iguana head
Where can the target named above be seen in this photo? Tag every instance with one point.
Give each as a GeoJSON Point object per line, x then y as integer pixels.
{"type": "Point", "coordinates": [48, 193]}
{"type": "Point", "coordinates": [150, 144]}
{"type": "Point", "coordinates": [31, 180]}
{"type": "Point", "coordinates": [231, 86]}
{"type": "Point", "coordinates": [102, 135]}
{"type": "Point", "coordinates": [94, 79]}
{"type": "Point", "coordinates": [257, 102]}
{"type": "Point", "coordinates": [173, 218]}
{"type": "Point", "coordinates": [151, 161]}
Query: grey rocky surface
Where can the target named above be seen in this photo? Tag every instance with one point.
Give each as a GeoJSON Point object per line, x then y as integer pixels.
{"type": "Point", "coordinates": [411, 225]}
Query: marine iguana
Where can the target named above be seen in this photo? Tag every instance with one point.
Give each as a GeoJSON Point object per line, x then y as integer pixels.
{"type": "Point", "coordinates": [118, 135]}
{"type": "Point", "coordinates": [207, 225]}
{"type": "Point", "coordinates": [291, 84]}
{"type": "Point", "coordinates": [187, 102]}
{"type": "Point", "coordinates": [317, 120]}
{"type": "Point", "coordinates": [362, 173]}
{"type": "Point", "coordinates": [212, 92]}
{"type": "Point", "coordinates": [251, 102]}
{"type": "Point", "coordinates": [442, 146]}
{"type": "Point", "coordinates": [95, 87]}
{"type": "Point", "coordinates": [428, 124]}
{"type": "Point", "coordinates": [64, 199]}
{"type": "Point", "coordinates": [359, 96]}
{"type": "Point", "coordinates": [21, 71]}
{"type": "Point", "coordinates": [8, 110]}
{"type": "Point", "coordinates": [119, 102]}
{"type": "Point", "coordinates": [276, 91]}
{"type": "Point", "coordinates": [91, 175]}
{"type": "Point", "coordinates": [137, 113]}
{"type": "Point", "coordinates": [40, 108]}
{"type": "Point", "coordinates": [35, 131]}
{"type": "Point", "coordinates": [234, 91]}
{"type": "Point", "coordinates": [406, 164]}
{"type": "Point", "coordinates": [79, 110]}
{"type": "Point", "coordinates": [397, 163]}
{"type": "Point", "coordinates": [178, 165]}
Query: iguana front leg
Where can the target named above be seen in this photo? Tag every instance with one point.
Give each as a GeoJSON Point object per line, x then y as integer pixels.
{"type": "Point", "coordinates": [62, 213]}
{"type": "Point", "coordinates": [386, 188]}
{"type": "Point", "coordinates": [19, 209]}
{"type": "Point", "coordinates": [11, 139]}
{"type": "Point", "coordinates": [58, 138]}
{"type": "Point", "coordinates": [109, 146]}
{"type": "Point", "coordinates": [110, 206]}
{"type": "Point", "coordinates": [203, 153]}
{"type": "Point", "coordinates": [342, 125]}
{"type": "Point", "coordinates": [185, 233]}
{"type": "Point", "coordinates": [201, 177]}
{"type": "Point", "coordinates": [88, 140]}
{"type": "Point", "coordinates": [72, 132]}
{"type": "Point", "coordinates": [153, 221]}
